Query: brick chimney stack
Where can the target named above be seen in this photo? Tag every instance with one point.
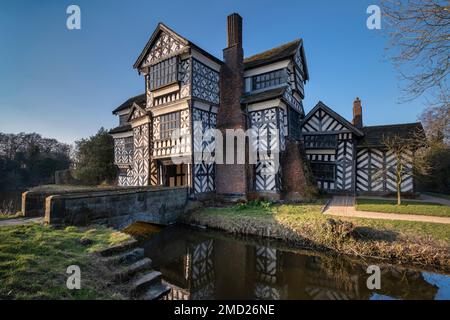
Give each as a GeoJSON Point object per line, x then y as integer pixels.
{"type": "Point", "coordinates": [231, 115]}
{"type": "Point", "coordinates": [234, 28]}
{"type": "Point", "coordinates": [357, 114]}
{"type": "Point", "coordinates": [232, 179]}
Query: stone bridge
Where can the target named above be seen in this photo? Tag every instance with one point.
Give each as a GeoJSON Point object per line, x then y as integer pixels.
{"type": "Point", "coordinates": [116, 207]}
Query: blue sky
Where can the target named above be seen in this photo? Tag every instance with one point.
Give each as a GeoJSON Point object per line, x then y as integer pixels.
{"type": "Point", "coordinates": [64, 84]}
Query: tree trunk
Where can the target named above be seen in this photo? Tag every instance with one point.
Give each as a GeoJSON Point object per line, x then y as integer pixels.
{"type": "Point", "coordinates": [399, 178]}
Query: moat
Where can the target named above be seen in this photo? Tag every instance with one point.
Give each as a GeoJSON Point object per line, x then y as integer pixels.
{"type": "Point", "coordinates": [200, 264]}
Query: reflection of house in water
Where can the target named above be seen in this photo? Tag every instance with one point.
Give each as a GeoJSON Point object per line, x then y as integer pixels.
{"type": "Point", "coordinates": [329, 282]}
{"type": "Point", "coordinates": [186, 262]}
{"type": "Point", "coordinates": [196, 281]}
{"type": "Point", "coordinates": [202, 265]}
{"type": "Point", "coordinates": [268, 282]}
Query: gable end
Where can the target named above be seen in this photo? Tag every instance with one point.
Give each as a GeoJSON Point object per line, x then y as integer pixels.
{"type": "Point", "coordinates": [322, 119]}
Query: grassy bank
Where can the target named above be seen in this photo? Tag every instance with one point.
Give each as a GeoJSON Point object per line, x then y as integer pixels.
{"type": "Point", "coordinates": [407, 207]}
{"type": "Point", "coordinates": [34, 260]}
{"type": "Point", "coordinates": [426, 244]}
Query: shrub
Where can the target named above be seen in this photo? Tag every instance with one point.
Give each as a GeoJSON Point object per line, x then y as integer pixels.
{"type": "Point", "coordinates": [338, 231]}
{"type": "Point", "coordinates": [94, 161]}
{"type": "Point", "coordinates": [254, 204]}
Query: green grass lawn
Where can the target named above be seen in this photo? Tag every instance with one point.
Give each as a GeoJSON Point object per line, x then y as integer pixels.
{"type": "Point", "coordinates": [438, 195]}
{"type": "Point", "coordinates": [34, 259]}
{"type": "Point", "coordinates": [407, 207]}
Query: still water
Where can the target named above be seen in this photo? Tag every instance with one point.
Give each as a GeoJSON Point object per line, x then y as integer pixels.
{"type": "Point", "coordinates": [200, 264]}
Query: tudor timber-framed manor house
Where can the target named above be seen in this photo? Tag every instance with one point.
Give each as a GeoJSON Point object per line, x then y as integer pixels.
{"type": "Point", "coordinates": [185, 84]}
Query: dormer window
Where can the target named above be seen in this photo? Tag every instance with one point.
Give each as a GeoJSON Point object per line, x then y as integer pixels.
{"type": "Point", "coordinates": [269, 79]}
{"type": "Point", "coordinates": [163, 73]}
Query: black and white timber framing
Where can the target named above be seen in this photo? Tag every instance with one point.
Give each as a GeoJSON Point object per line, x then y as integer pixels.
{"type": "Point", "coordinates": [343, 160]}
{"type": "Point", "coordinates": [182, 91]}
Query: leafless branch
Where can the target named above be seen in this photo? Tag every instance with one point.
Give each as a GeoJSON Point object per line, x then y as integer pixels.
{"type": "Point", "coordinates": [419, 33]}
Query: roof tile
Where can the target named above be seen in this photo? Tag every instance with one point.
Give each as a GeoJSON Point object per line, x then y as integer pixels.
{"type": "Point", "coordinates": [374, 135]}
{"type": "Point", "coordinates": [140, 100]}
{"type": "Point", "coordinates": [263, 95]}
{"type": "Point", "coordinates": [120, 129]}
{"type": "Point", "coordinates": [284, 51]}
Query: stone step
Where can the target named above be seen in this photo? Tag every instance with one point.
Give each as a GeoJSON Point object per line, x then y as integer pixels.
{"type": "Point", "coordinates": [127, 257]}
{"type": "Point", "coordinates": [132, 270]}
{"type": "Point", "coordinates": [144, 282]}
{"type": "Point", "coordinates": [118, 249]}
{"type": "Point", "coordinates": [156, 291]}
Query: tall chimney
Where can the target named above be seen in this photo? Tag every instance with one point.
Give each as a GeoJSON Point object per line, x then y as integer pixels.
{"type": "Point", "coordinates": [232, 179]}
{"type": "Point", "coordinates": [234, 27]}
{"type": "Point", "coordinates": [357, 113]}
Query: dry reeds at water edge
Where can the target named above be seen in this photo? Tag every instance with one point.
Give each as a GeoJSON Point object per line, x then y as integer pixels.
{"type": "Point", "coordinates": [7, 208]}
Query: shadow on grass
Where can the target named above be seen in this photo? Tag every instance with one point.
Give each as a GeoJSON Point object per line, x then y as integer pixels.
{"type": "Point", "coordinates": [368, 234]}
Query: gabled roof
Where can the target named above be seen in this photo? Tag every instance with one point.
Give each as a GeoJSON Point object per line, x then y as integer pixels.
{"type": "Point", "coordinates": [163, 28]}
{"type": "Point", "coordinates": [140, 100]}
{"type": "Point", "coordinates": [263, 95]}
{"type": "Point", "coordinates": [374, 135]}
{"type": "Point", "coordinates": [343, 121]}
{"type": "Point", "coordinates": [285, 51]}
{"type": "Point", "coordinates": [135, 106]}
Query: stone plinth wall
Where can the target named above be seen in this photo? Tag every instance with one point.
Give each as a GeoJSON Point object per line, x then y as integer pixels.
{"type": "Point", "coordinates": [33, 202]}
{"type": "Point", "coordinates": [117, 208]}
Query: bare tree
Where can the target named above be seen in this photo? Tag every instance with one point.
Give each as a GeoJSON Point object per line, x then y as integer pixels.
{"type": "Point", "coordinates": [409, 158]}
{"type": "Point", "coordinates": [436, 122]}
{"type": "Point", "coordinates": [419, 32]}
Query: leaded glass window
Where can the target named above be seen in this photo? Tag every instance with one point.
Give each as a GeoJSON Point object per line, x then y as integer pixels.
{"type": "Point", "coordinates": [269, 79]}
{"type": "Point", "coordinates": [163, 73]}
{"type": "Point", "coordinates": [323, 171]}
{"type": "Point", "coordinates": [325, 141]}
{"type": "Point", "coordinates": [168, 123]}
